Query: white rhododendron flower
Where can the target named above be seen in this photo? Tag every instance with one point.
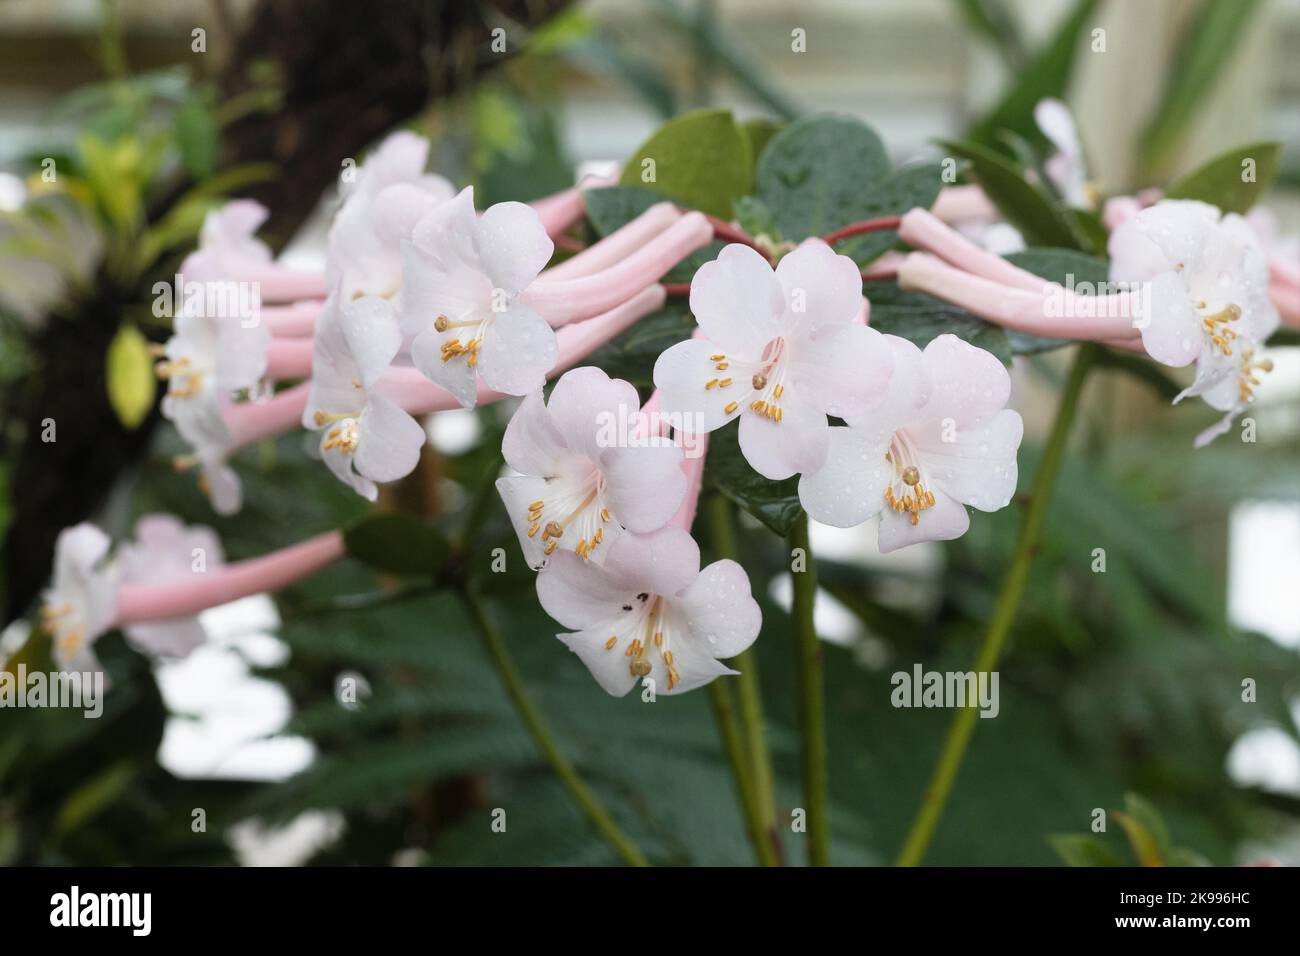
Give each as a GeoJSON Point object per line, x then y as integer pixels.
{"type": "Point", "coordinates": [940, 440]}
{"type": "Point", "coordinates": [388, 196]}
{"type": "Point", "coordinates": [80, 603]}
{"type": "Point", "coordinates": [206, 361]}
{"type": "Point", "coordinates": [165, 551]}
{"type": "Point", "coordinates": [1208, 299]}
{"type": "Point", "coordinates": [582, 479]}
{"type": "Point", "coordinates": [650, 611]}
{"type": "Point", "coordinates": [367, 437]}
{"type": "Point", "coordinates": [228, 244]}
{"type": "Point", "coordinates": [780, 350]}
{"type": "Point", "coordinates": [461, 281]}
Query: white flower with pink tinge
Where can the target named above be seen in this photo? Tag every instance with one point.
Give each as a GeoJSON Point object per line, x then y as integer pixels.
{"type": "Point", "coordinates": [81, 603]}
{"type": "Point", "coordinates": [578, 489]}
{"type": "Point", "coordinates": [367, 437]}
{"type": "Point", "coordinates": [228, 244]}
{"type": "Point", "coordinates": [1209, 298]}
{"type": "Point", "coordinates": [166, 551]}
{"type": "Point", "coordinates": [461, 282]}
{"type": "Point", "coordinates": [940, 440]}
{"type": "Point", "coordinates": [380, 209]}
{"type": "Point", "coordinates": [204, 363]}
{"type": "Point", "coordinates": [780, 350]}
{"type": "Point", "coordinates": [650, 612]}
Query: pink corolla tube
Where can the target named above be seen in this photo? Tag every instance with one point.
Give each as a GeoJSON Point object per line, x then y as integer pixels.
{"type": "Point", "coordinates": [138, 603]}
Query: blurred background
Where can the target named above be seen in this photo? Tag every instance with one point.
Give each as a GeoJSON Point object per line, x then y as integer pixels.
{"type": "Point", "coordinates": [1127, 681]}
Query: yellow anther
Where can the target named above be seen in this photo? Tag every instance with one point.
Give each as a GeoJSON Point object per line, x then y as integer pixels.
{"type": "Point", "coordinates": [609, 644]}
{"type": "Point", "coordinates": [731, 407]}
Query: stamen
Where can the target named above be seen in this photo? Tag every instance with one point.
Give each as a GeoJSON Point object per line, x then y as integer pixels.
{"type": "Point", "coordinates": [759, 381]}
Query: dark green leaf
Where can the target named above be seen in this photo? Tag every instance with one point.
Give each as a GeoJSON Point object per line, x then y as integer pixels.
{"type": "Point", "coordinates": [755, 218]}
{"type": "Point", "coordinates": [1221, 182]}
{"type": "Point", "coordinates": [911, 187]}
{"type": "Point", "coordinates": [398, 544]}
{"type": "Point", "coordinates": [775, 503]}
{"type": "Point", "coordinates": [701, 159]}
{"type": "Point", "coordinates": [995, 22]}
{"type": "Point", "coordinates": [1047, 76]}
{"type": "Point", "coordinates": [1025, 206]}
{"type": "Point", "coordinates": [815, 173]}
{"type": "Point", "coordinates": [760, 133]}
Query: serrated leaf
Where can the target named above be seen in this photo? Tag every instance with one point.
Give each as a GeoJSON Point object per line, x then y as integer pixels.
{"type": "Point", "coordinates": [921, 318]}
{"type": "Point", "coordinates": [1079, 849]}
{"type": "Point", "coordinates": [775, 503]}
{"type": "Point", "coordinates": [1220, 181]}
{"type": "Point", "coordinates": [398, 544]}
{"type": "Point", "coordinates": [814, 174]}
{"type": "Point", "coordinates": [701, 159]}
{"type": "Point", "coordinates": [129, 376]}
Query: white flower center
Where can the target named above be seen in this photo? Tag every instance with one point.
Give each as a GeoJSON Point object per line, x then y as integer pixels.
{"type": "Point", "coordinates": [645, 624]}
{"type": "Point", "coordinates": [766, 380]}
{"type": "Point", "coordinates": [907, 493]}
{"type": "Point", "coordinates": [577, 506]}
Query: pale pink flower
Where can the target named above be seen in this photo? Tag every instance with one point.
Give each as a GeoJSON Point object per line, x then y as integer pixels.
{"type": "Point", "coordinates": [366, 438]}
{"type": "Point", "coordinates": [584, 477]}
{"type": "Point", "coordinates": [462, 278]}
{"type": "Point", "coordinates": [778, 349]}
{"type": "Point", "coordinates": [650, 613]}
{"type": "Point", "coordinates": [942, 439]}
{"type": "Point", "coordinates": [79, 605]}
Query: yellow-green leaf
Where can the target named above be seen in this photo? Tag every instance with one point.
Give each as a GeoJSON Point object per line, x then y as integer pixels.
{"type": "Point", "coordinates": [130, 376]}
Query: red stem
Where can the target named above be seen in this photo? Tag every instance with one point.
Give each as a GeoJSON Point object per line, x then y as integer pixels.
{"type": "Point", "coordinates": [860, 228]}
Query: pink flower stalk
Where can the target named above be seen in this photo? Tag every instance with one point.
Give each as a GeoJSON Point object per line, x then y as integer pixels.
{"type": "Point", "coordinates": [693, 467]}
{"type": "Point", "coordinates": [561, 301]}
{"type": "Point", "coordinates": [249, 422]}
{"type": "Point", "coordinates": [618, 245]}
{"type": "Point", "coordinates": [927, 232]}
{"type": "Point", "coordinates": [1053, 311]}
{"type": "Point", "coordinates": [560, 211]}
{"type": "Point", "coordinates": [297, 320]}
{"type": "Point", "coordinates": [288, 358]}
{"type": "Point", "coordinates": [963, 204]}
{"type": "Point", "coordinates": [137, 603]}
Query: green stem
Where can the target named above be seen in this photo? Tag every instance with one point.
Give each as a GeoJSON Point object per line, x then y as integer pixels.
{"type": "Point", "coordinates": [724, 711]}
{"type": "Point", "coordinates": [754, 771]}
{"type": "Point", "coordinates": [1004, 614]}
{"type": "Point", "coordinates": [812, 705]}
{"type": "Point", "coordinates": [532, 719]}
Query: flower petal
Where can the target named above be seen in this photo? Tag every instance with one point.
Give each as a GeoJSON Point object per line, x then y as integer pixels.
{"type": "Point", "coordinates": [372, 335]}
{"type": "Point", "coordinates": [908, 390]}
{"type": "Point", "coordinates": [661, 562]}
{"type": "Point", "coordinates": [586, 404]}
{"type": "Point", "coordinates": [822, 289]}
{"type": "Point", "coordinates": [454, 375]}
{"type": "Point", "coordinates": [340, 462]}
{"type": "Point", "coordinates": [518, 349]}
{"type": "Point", "coordinates": [682, 373]}
{"type": "Point", "coordinates": [846, 369]}
{"type": "Point", "coordinates": [721, 613]}
{"type": "Point", "coordinates": [532, 445]}
{"type": "Point", "coordinates": [167, 638]}
{"type": "Point", "coordinates": [513, 245]}
{"type": "Point", "coordinates": [850, 487]}
{"type": "Point", "coordinates": [517, 493]}
{"type": "Point", "coordinates": [967, 383]}
{"type": "Point", "coordinates": [946, 520]}
{"type": "Point", "coordinates": [390, 441]}
{"type": "Point", "coordinates": [738, 301]}
{"type": "Point", "coordinates": [797, 443]}
{"type": "Point", "coordinates": [978, 467]}
{"type": "Point", "coordinates": [1171, 333]}
{"type": "Point", "coordinates": [644, 485]}
{"type": "Point", "coordinates": [608, 666]}
{"type": "Point", "coordinates": [581, 595]}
